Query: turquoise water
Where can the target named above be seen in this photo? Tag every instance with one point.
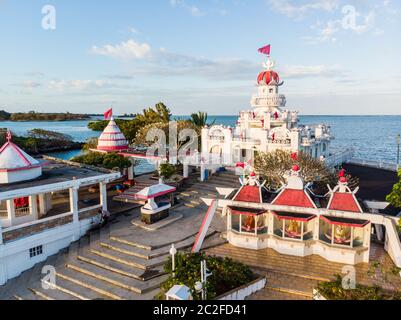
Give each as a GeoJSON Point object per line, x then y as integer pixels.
{"type": "Point", "coordinates": [372, 137]}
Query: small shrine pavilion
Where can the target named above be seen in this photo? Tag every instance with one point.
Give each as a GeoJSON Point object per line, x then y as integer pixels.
{"type": "Point", "coordinates": [112, 139]}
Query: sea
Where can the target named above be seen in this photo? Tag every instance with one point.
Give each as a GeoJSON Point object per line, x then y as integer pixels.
{"type": "Point", "coordinates": [373, 138]}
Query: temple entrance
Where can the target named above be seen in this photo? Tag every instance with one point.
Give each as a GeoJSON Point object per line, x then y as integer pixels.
{"type": "Point", "coordinates": [217, 154]}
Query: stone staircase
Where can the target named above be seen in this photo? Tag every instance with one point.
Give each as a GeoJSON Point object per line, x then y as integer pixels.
{"type": "Point", "coordinates": [285, 286]}
{"type": "Point", "coordinates": [97, 269]}
{"type": "Point", "coordinates": [128, 262]}
{"type": "Point", "coordinates": [195, 189]}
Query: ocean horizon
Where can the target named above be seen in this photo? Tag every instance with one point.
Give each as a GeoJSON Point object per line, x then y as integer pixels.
{"type": "Point", "coordinates": [372, 137]}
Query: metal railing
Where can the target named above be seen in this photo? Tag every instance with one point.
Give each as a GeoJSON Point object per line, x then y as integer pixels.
{"type": "Point", "coordinates": [20, 212]}
{"type": "Point", "coordinates": [374, 164]}
{"type": "Point", "coordinates": [339, 158]}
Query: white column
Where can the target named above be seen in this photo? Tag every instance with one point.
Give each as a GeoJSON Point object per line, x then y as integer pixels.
{"type": "Point", "coordinates": [316, 229]}
{"type": "Point", "coordinates": [131, 172]}
{"type": "Point", "coordinates": [49, 203]}
{"type": "Point", "coordinates": [74, 204]}
{"type": "Point", "coordinates": [33, 204]}
{"type": "Point", "coordinates": [103, 195]}
{"type": "Point", "coordinates": [74, 211]}
{"type": "Point", "coordinates": [42, 204]}
{"type": "Point", "coordinates": [1, 236]}
{"type": "Point", "coordinates": [186, 170]}
{"type": "Point", "coordinates": [203, 168]}
{"type": "Point", "coordinates": [11, 211]}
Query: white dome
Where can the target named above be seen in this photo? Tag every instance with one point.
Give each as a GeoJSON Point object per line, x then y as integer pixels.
{"type": "Point", "coordinates": [112, 139]}
{"type": "Point", "coordinates": [16, 165]}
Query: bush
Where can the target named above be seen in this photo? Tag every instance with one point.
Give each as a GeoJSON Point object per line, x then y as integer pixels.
{"type": "Point", "coordinates": [395, 196]}
{"type": "Point", "coordinates": [41, 141]}
{"type": "Point", "coordinates": [167, 170]}
{"type": "Point", "coordinates": [333, 290]}
{"type": "Point", "coordinates": [226, 274]}
{"type": "Point", "coordinates": [106, 160]}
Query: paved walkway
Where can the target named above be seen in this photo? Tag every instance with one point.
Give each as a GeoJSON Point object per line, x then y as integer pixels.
{"type": "Point", "coordinates": [290, 277]}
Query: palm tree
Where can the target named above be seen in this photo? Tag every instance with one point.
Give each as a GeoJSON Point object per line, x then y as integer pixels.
{"type": "Point", "coordinates": [199, 119]}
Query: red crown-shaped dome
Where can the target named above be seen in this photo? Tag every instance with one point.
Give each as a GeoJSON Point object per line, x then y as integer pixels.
{"type": "Point", "coordinates": [268, 77]}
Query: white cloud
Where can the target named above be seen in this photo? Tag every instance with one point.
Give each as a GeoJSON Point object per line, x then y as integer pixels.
{"type": "Point", "coordinates": [125, 50]}
{"type": "Point", "coordinates": [293, 9]}
{"type": "Point", "coordinates": [30, 84]}
{"type": "Point", "coordinates": [302, 71]}
{"type": "Point", "coordinates": [329, 31]}
{"type": "Point", "coordinates": [62, 85]}
{"type": "Point", "coordinates": [193, 10]}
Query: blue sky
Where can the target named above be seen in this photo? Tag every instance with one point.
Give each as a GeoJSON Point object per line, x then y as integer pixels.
{"type": "Point", "coordinates": [200, 55]}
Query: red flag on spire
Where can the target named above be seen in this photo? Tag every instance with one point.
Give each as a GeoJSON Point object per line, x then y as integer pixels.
{"type": "Point", "coordinates": [108, 114]}
{"type": "Point", "coordinates": [265, 50]}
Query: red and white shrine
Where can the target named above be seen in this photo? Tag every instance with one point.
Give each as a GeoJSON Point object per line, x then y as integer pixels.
{"type": "Point", "coordinates": [112, 139]}
{"type": "Point", "coordinates": [296, 222]}
{"type": "Point", "coordinates": [16, 165]}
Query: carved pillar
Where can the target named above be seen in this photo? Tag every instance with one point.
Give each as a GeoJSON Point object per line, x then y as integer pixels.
{"type": "Point", "coordinates": [11, 211]}
{"type": "Point", "coordinates": [33, 204]}
{"type": "Point", "coordinates": [103, 195]}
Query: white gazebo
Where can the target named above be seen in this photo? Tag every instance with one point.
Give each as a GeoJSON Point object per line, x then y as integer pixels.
{"type": "Point", "coordinates": [154, 211]}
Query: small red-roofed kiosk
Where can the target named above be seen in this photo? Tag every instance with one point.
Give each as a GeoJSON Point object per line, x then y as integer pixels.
{"type": "Point", "coordinates": [342, 231]}
{"type": "Point", "coordinates": [243, 221]}
{"type": "Point", "coordinates": [298, 226]}
{"type": "Point", "coordinates": [343, 199]}
{"type": "Point", "coordinates": [294, 193]}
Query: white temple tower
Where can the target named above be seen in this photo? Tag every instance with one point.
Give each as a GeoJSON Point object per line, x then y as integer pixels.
{"type": "Point", "coordinates": [266, 127]}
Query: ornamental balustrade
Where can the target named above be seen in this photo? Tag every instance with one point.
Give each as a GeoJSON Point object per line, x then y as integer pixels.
{"type": "Point", "coordinates": [280, 141]}
{"type": "Point", "coordinates": [260, 100]}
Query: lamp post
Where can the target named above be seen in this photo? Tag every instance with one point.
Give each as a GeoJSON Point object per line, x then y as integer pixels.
{"type": "Point", "coordinates": [398, 150]}
{"type": "Point", "coordinates": [200, 286]}
{"type": "Point", "coordinates": [173, 252]}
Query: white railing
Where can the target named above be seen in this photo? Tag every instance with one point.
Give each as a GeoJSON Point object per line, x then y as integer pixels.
{"type": "Point", "coordinates": [375, 164]}
{"type": "Point", "coordinates": [36, 222]}
{"type": "Point", "coordinates": [340, 158]}
{"type": "Point", "coordinates": [394, 243]}
{"type": "Point", "coordinates": [22, 212]}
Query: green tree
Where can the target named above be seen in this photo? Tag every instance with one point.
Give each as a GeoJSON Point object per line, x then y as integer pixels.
{"type": "Point", "coordinates": [395, 196]}
{"type": "Point", "coordinates": [106, 160]}
{"type": "Point", "coordinates": [49, 135]}
{"type": "Point", "coordinates": [90, 143]}
{"type": "Point", "coordinates": [273, 167]}
{"type": "Point", "coordinates": [200, 119]}
{"type": "Point", "coordinates": [226, 274]}
{"type": "Point", "coordinates": [141, 135]}
{"type": "Point", "coordinates": [159, 114]}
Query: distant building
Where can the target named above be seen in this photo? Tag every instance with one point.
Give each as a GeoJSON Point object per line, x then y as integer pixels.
{"type": "Point", "coordinates": [268, 126]}
{"type": "Point", "coordinates": [44, 207]}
